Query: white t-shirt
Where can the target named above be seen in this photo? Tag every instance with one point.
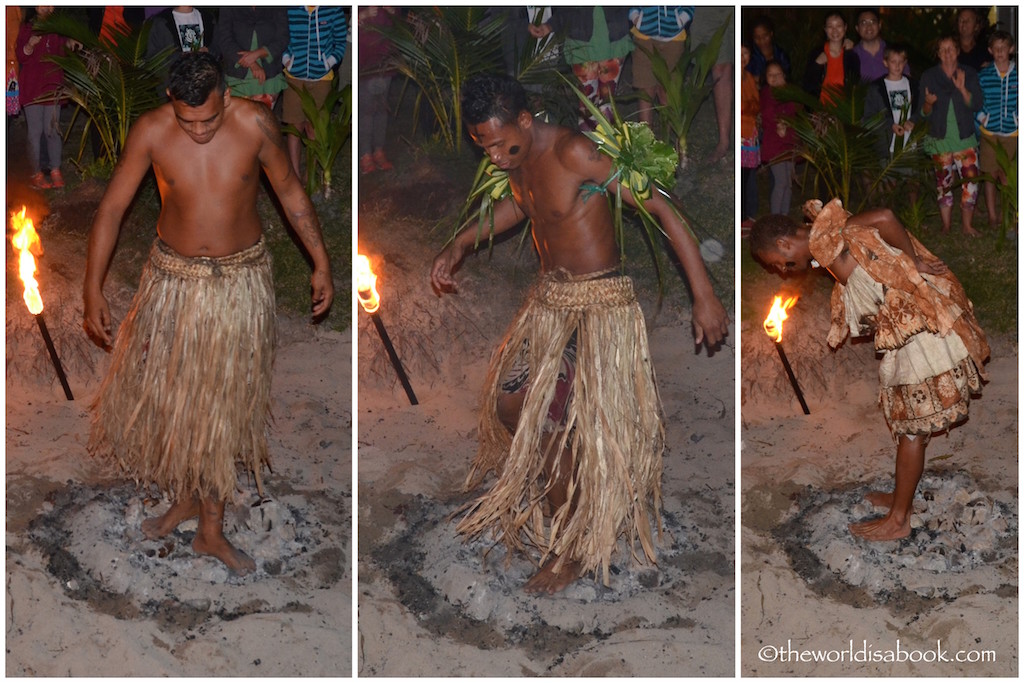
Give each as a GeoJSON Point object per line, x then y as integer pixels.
{"type": "Point", "coordinates": [898, 96]}
{"type": "Point", "coordinates": [190, 29]}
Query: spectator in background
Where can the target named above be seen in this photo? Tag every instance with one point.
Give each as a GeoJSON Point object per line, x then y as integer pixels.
{"type": "Point", "coordinates": [833, 67]}
{"type": "Point", "coordinates": [998, 117]}
{"type": "Point", "coordinates": [317, 37]}
{"type": "Point", "coordinates": [949, 97]}
{"type": "Point", "coordinates": [250, 41]}
{"type": "Point", "coordinates": [973, 51]}
{"type": "Point", "coordinates": [870, 49]}
{"type": "Point", "coordinates": [661, 30]}
{"type": "Point", "coordinates": [778, 141]}
{"type": "Point", "coordinates": [517, 44]}
{"type": "Point", "coordinates": [597, 42]}
{"type": "Point", "coordinates": [707, 20]}
{"type": "Point", "coordinates": [375, 74]}
{"type": "Point", "coordinates": [762, 35]}
{"type": "Point", "coordinates": [184, 27]}
{"type": "Point", "coordinates": [750, 146]}
{"type": "Point", "coordinates": [41, 81]}
{"type": "Point", "coordinates": [893, 96]}
{"type": "Point", "coordinates": [107, 22]}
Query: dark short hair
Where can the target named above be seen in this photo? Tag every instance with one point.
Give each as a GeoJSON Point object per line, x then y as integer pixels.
{"type": "Point", "coordinates": [894, 49]}
{"type": "Point", "coordinates": [763, 21]}
{"type": "Point", "coordinates": [1000, 35]}
{"type": "Point", "coordinates": [491, 96]}
{"type": "Point", "coordinates": [835, 13]}
{"type": "Point", "coordinates": [867, 10]}
{"type": "Point", "coordinates": [947, 37]}
{"type": "Point", "coordinates": [194, 75]}
{"type": "Point", "coordinates": [767, 229]}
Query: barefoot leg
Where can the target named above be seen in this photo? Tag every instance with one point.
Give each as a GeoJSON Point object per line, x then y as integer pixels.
{"type": "Point", "coordinates": [967, 216]}
{"type": "Point", "coordinates": [721, 93]}
{"type": "Point", "coordinates": [946, 213]}
{"type": "Point", "coordinates": [881, 499]}
{"type": "Point", "coordinates": [180, 510]}
{"type": "Point", "coordinates": [909, 467]}
{"type": "Point", "coordinates": [210, 539]}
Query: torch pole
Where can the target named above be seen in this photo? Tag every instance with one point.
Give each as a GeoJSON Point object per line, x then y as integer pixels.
{"type": "Point", "coordinates": [792, 377]}
{"type": "Point", "coordinates": [54, 357]}
{"type": "Point", "coordinates": [379, 324]}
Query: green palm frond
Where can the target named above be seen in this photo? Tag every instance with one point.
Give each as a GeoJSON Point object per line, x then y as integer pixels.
{"type": "Point", "coordinates": [332, 124]}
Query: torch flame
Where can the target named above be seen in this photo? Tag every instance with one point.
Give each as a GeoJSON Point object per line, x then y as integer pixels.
{"type": "Point", "coordinates": [26, 243]}
{"type": "Point", "coordinates": [366, 285]}
{"type": "Point", "coordinates": [777, 314]}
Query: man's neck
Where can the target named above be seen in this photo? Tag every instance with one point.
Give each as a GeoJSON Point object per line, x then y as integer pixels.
{"type": "Point", "coordinates": [871, 46]}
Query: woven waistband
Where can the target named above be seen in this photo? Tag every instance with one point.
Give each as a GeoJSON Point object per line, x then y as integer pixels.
{"type": "Point", "coordinates": [599, 291]}
{"type": "Point", "coordinates": [165, 259]}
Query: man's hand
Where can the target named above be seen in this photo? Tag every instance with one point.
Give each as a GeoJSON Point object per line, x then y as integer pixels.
{"type": "Point", "coordinates": [323, 291]}
{"type": "Point", "coordinates": [97, 319]}
{"type": "Point", "coordinates": [710, 322]}
{"type": "Point", "coordinates": [935, 267]}
{"type": "Point", "coordinates": [441, 278]}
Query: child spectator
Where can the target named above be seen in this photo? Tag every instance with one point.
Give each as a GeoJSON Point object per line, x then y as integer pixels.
{"type": "Point", "coordinates": [40, 84]}
{"type": "Point", "coordinates": [949, 97]}
{"type": "Point", "coordinates": [750, 146]}
{"type": "Point", "coordinates": [893, 95]}
{"type": "Point", "coordinates": [778, 140]}
{"type": "Point", "coordinates": [375, 74]}
{"type": "Point", "coordinates": [998, 117]}
{"type": "Point", "coordinates": [662, 30]}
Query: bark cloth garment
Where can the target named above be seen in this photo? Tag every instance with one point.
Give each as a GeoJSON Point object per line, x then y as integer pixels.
{"type": "Point", "coordinates": [188, 391]}
{"type": "Point", "coordinates": [612, 427]}
{"type": "Point", "coordinates": [933, 351]}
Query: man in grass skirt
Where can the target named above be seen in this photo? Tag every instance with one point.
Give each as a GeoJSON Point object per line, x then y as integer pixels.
{"type": "Point", "coordinates": [571, 419]}
{"type": "Point", "coordinates": [188, 391]}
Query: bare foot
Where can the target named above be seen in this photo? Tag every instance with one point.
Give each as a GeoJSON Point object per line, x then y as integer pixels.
{"type": "Point", "coordinates": [971, 232]}
{"type": "Point", "coordinates": [219, 547]}
{"type": "Point", "coordinates": [549, 581]}
{"type": "Point", "coordinates": [880, 499]}
{"type": "Point", "coordinates": [882, 529]}
{"type": "Point", "coordinates": [717, 155]}
{"type": "Point", "coordinates": [158, 527]}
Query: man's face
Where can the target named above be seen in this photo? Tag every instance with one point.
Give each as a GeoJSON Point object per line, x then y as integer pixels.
{"type": "Point", "coordinates": [1001, 51]}
{"type": "Point", "coordinates": [895, 62]}
{"type": "Point", "coordinates": [868, 26]}
{"type": "Point", "coordinates": [505, 143]}
{"type": "Point", "coordinates": [202, 123]}
{"type": "Point", "coordinates": [967, 24]}
{"type": "Point", "coordinates": [790, 255]}
{"type": "Point", "coordinates": [763, 39]}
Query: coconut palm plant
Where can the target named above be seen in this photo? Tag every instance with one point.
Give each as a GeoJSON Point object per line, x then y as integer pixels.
{"type": "Point", "coordinates": [838, 145]}
{"type": "Point", "coordinates": [438, 49]}
{"type": "Point", "coordinates": [1007, 189]}
{"type": "Point", "coordinates": [686, 86]}
{"type": "Point", "coordinates": [332, 124]}
{"type": "Point", "coordinates": [111, 83]}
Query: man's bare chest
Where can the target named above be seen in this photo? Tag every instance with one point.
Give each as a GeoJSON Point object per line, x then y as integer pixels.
{"type": "Point", "coordinates": [213, 169]}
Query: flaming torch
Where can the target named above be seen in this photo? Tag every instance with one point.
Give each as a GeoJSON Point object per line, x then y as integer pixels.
{"type": "Point", "coordinates": [369, 299]}
{"type": "Point", "coordinates": [26, 243]}
{"type": "Point", "coordinates": [773, 328]}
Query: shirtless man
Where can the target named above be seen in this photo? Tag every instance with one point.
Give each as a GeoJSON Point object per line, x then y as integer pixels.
{"type": "Point", "coordinates": [178, 425]}
{"type": "Point", "coordinates": [574, 236]}
{"type": "Point", "coordinates": [888, 285]}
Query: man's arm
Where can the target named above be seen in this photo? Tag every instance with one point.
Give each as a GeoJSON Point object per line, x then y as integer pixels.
{"type": "Point", "coordinates": [710, 319]}
{"type": "Point", "coordinates": [132, 166]}
{"type": "Point", "coordinates": [892, 231]}
{"type": "Point", "coordinates": [507, 215]}
{"type": "Point", "coordinates": [297, 207]}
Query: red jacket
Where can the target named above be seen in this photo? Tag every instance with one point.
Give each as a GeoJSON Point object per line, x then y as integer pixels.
{"type": "Point", "coordinates": [40, 78]}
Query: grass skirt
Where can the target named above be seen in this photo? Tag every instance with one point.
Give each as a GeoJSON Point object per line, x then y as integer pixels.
{"type": "Point", "coordinates": [188, 391]}
{"type": "Point", "coordinates": [613, 428]}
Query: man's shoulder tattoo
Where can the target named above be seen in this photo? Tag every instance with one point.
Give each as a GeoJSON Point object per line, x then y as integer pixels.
{"type": "Point", "coordinates": [267, 122]}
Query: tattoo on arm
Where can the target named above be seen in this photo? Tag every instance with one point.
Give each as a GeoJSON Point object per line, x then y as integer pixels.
{"type": "Point", "coordinates": [267, 122]}
{"type": "Point", "coordinates": [303, 218]}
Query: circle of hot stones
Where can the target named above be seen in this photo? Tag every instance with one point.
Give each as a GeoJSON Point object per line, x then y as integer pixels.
{"type": "Point", "coordinates": [963, 539]}
{"type": "Point", "coordinates": [436, 572]}
{"type": "Point", "coordinates": [94, 546]}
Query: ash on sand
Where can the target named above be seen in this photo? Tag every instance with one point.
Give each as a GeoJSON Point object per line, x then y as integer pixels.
{"type": "Point", "coordinates": [92, 537]}
{"type": "Point", "coordinates": [477, 581]}
{"type": "Point", "coordinates": [963, 540]}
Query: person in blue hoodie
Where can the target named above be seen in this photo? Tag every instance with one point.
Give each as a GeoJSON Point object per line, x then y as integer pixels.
{"type": "Point", "coordinates": [316, 44]}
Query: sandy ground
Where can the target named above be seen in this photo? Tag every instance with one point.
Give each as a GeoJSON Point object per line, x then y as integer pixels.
{"type": "Point", "coordinates": [803, 478]}
{"type": "Point", "coordinates": [430, 605]}
{"type": "Point", "coordinates": [87, 595]}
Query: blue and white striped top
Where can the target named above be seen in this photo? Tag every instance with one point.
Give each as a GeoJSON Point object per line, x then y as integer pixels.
{"type": "Point", "coordinates": [661, 23]}
{"type": "Point", "coordinates": [999, 112]}
{"type": "Point", "coordinates": [316, 41]}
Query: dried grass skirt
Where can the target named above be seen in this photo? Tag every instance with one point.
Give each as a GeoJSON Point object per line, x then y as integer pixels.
{"type": "Point", "coordinates": [613, 428]}
{"type": "Point", "coordinates": [188, 391]}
